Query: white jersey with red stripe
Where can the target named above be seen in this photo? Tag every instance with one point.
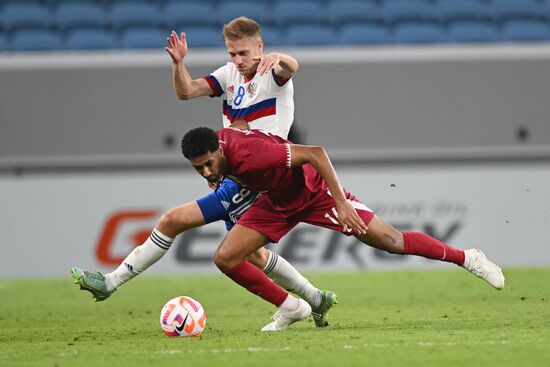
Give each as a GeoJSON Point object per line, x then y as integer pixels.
{"type": "Point", "coordinates": [265, 102]}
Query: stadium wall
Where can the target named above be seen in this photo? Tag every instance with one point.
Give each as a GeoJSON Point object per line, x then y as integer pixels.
{"type": "Point", "coordinates": [383, 101]}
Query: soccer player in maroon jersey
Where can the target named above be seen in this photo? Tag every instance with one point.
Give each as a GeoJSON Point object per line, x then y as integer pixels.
{"type": "Point", "coordinates": [299, 184]}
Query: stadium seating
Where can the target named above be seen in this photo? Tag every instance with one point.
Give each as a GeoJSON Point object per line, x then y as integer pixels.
{"type": "Point", "coordinates": [256, 10]}
{"type": "Point", "coordinates": [398, 11]}
{"type": "Point", "coordinates": [126, 15]}
{"type": "Point", "coordinates": [504, 10]}
{"type": "Point", "coordinates": [28, 16]}
{"type": "Point", "coordinates": [353, 22]}
{"type": "Point", "coordinates": [525, 30]}
{"type": "Point", "coordinates": [272, 36]}
{"type": "Point", "coordinates": [204, 37]}
{"type": "Point", "coordinates": [416, 32]}
{"type": "Point", "coordinates": [289, 13]}
{"type": "Point", "coordinates": [368, 34]}
{"type": "Point", "coordinates": [473, 32]}
{"type": "Point", "coordinates": [143, 38]}
{"type": "Point", "coordinates": [348, 12]}
{"type": "Point", "coordinates": [453, 10]}
{"type": "Point", "coordinates": [55, 3]}
{"type": "Point", "coordinates": [3, 43]}
{"type": "Point", "coordinates": [180, 15]}
{"type": "Point", "coordinates": [91, 40]}
{"type": "Point", "coordinates": [36, 40]}
{"type": "Point", "coordinates": [80, 15]}
{"type": "Point", "coordinates": [310, 35]}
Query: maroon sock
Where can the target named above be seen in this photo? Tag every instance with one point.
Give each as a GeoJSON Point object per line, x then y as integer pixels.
{"type": "Point", "coordinates": [417, 243]}
{"type": "Point", "coordinates": [250, 277]}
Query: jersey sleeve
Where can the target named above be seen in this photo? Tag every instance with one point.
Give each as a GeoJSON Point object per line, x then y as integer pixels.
{"type": "Point", "coordinates": [278, 80]}
{"type": "Point", "coordinates": [218, 80]}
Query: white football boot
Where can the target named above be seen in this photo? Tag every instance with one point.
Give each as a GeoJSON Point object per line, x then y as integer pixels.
{"type": "Point", "coordinates": [477, 263]}
{"type": "Point", "coordinates": [282, 319]}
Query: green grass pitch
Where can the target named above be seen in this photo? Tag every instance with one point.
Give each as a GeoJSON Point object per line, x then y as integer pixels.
{"type": "Point", "coordinates": [390, 318]}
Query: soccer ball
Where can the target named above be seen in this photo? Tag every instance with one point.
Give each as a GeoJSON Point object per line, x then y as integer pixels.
{"type": "Point", "coordinates": [182, 316]}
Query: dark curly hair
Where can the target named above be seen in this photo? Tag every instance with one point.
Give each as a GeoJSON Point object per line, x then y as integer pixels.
{"type": "Point", "coordinates": [198, 142]}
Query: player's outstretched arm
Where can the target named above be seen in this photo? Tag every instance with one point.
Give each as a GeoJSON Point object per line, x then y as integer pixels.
{"type": "Point", "coordinates": [184, 86]}
{"type": "Point", "coordinates": [318, 158]}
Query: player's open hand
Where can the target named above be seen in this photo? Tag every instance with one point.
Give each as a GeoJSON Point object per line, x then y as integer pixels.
{"type": "Point", "coordinates": [266, 62]}
{"type": "Point", "coordinates": [177, 47]}
{"type": "Point", "coordinates": [349, 219]}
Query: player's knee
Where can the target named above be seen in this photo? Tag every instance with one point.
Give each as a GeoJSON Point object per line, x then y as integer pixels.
{"type": "Point", "coordinates": [259, 257]}
{"type": "Point", "coordinates": [167, 221]}
{"type": "Point", "coordinates": [175, 221]}
{"type": "Point", "coordinates": [223, 259]}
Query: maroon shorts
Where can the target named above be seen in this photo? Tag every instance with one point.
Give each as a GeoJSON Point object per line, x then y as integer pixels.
{"type": "Point", "coordinates": [319, 211]}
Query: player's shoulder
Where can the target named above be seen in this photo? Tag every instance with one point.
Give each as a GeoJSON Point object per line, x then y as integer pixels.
{"type": "Point", "coordinates": [229, 66]}
{"type": "Point", "coordinates": [227, 69]}
{"type": "Point", "coordinates": [229, 134]}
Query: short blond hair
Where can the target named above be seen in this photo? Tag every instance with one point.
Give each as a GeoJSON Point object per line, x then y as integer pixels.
{"type": "Point", "coordinates": [241, 27]}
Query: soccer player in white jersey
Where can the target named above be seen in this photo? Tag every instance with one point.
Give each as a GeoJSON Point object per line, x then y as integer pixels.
{"type": "Point", "coordinates": [258, 93]}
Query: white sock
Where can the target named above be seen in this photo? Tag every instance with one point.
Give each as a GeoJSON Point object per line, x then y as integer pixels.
{"type": "Point", "coordinates": [290, 303]}
{"type": "Point", "coordinates": [139, 259]}
{"type": "Point", "coordinates": [286, 276]}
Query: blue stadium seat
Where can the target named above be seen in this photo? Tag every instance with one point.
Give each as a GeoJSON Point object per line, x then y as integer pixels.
{"type": "Point", "coordinates": [416, 33]}
{"type": "Point", "coordinates": [473, 32]}
{"type": "Point", "coordinates": [525, 31]}
{"type": "Point", "coordinates": [24, 16]}
{"type": "Point", "coordinates": [36, 40]}
{"type": "Point", "coordinates": [311, 35]}
{"type": "Point", "coordinates": [352, 11]}
{"type": "Point", "coordinates": [3, 43]}
{"type": "Point", "coordinates": [204, 37]}
{"type": "Point", "coordinates": [144, 38]}
{"type": "Point", "coordinates": [297, 12]}
{"type": "Point", "coordinates": [272, 36]}
{"type": "Point", "coordinates": [180, 15]}
{"type": "Point", "coordinates": [504, 10]}
{"type": "Point", "coordinates": [258, 11]}
{"type": "Point", "coordinates": [80, 15]}
{"type": "Point", "coordinates": [370, 34]}
{"type": "Point", "coordinates": [90, 39]}
{"type": "Point", "coordinates": [55, 3]}
{"type": "Point", "coordinates": [126, 15]}
{"type": "Point", "coordinates": [458, 10]}
{"type": "Point", "coordinates": [4, 3]}
{"type": "Point", "coordinates": [398, 11]}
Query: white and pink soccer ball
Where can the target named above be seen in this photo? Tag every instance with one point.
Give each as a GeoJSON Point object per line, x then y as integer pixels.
{"type": "Point", "coordinates": [182, 316]}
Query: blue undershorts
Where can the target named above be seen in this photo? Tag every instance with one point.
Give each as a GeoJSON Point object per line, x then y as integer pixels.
{"type": "Point", "coordinates": [228, 202]}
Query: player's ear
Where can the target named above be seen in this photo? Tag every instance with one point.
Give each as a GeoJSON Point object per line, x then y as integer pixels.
{"type": "Point", "coordinates": [260, 44]}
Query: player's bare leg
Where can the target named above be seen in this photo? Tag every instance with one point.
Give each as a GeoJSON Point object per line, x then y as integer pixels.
{"type": "Point", "coordinates": [230, 258]}
{"type": "Point", "coordinates": [384, 236]}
